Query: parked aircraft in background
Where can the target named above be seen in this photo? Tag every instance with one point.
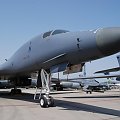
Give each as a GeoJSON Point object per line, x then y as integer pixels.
{"type": "Point", "coordinates": [87, 85]}
{"type": "Point", "coordinates": [57, 50]}
{"type": "Point", "coordinates": [5, 84]}
{"type": "Point", "coordinates": [116, 69]}
{"type": "Point", "coordinates": [112, 69]}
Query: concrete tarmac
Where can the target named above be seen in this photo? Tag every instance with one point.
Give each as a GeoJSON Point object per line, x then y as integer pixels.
{"type": "Point", "coordinates": [69, 105]}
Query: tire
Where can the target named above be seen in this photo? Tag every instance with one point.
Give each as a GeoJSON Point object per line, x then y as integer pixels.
{"type": "Point", "coordinates": [16, 91]}
{"type": "Point", "coordinates": [43, 102]}
{"type": "Point", "coordinates": [51, 102]}
{"type": "Point", "coordinates": [12, 91]}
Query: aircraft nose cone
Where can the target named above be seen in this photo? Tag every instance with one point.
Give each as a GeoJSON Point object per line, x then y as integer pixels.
{"type": "Point", "coordinates": [108, 40]}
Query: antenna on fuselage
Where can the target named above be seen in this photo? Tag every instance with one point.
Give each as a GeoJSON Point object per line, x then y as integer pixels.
{"type": "Point", "coordinates": [6, 60]}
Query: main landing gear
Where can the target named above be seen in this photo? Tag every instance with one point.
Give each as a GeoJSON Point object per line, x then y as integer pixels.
{"type": "Point", "coordinates": [44, 96]}
{"type": "Point", "coordinates": [15, 91]}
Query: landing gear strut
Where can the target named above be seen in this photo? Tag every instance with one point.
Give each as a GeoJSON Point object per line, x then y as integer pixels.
{"type": "Point", "coordinates": [44, 96]}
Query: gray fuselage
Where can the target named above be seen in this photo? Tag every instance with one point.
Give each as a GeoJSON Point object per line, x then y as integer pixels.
{"type": "Point", "coordinates": [71, 47]}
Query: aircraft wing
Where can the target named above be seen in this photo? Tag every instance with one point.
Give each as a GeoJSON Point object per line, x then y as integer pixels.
{"type": "Point", "coordinates": [93, 77]}
{"type": "Point", "coordinates": [109, 70]}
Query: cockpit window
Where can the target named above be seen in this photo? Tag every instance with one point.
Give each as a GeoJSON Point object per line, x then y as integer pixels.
{"type": "Point", "coordinates": [46, 34]}
{"type": "Point", "coordinates": [59, 31]}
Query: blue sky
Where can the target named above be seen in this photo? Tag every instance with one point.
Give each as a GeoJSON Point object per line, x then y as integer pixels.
{"type": "Point", "coordinates": [20, 20]}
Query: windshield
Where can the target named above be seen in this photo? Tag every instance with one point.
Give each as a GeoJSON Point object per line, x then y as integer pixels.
{"type": "Point", "coordinates": [46, 34]}
{"type": "Point", "coordinates": [59, 32]}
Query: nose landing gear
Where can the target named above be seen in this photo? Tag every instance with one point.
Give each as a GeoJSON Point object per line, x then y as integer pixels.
{"type": "Point", "coordinates": [45, 99]}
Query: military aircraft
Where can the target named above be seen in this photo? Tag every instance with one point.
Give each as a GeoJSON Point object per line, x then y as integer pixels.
{"type": "Point", "coordinates": [56, 50]}
{"type": "Point", "coordinates": [87, 85]}
{"type": "Point", "coordinates": [5, 84]}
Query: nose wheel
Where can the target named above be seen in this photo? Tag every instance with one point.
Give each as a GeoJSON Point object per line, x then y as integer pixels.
{"type": "Point", "coordinates": [45, 99]}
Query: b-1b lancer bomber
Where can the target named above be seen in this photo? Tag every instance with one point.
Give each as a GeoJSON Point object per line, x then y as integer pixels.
{"type": "Point", "coordinates": [56, 50]}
